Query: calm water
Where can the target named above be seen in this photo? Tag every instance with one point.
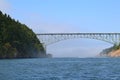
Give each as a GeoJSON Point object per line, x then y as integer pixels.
{"type": "Point", "coordinates": [60, 69]}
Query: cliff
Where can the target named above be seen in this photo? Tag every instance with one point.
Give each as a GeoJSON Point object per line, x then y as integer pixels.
{"type": "Point", "coordinates": [115, 53]}
{"type": "Point", "coordinates": [17, 40]}
{"type": "Point", "coordinates": [111, 52]}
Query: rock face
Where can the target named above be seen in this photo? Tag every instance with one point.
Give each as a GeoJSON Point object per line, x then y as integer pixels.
{"type": "Point", "coordinates": [115, 53]}
{"type": "Point", "coordinates": [49, 55]}
{"type": "Point", "coordinates": [111, 52]}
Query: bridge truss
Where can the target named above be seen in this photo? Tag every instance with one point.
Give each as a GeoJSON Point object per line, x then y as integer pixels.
{"type": "Point", "coordinates": [50, 38]}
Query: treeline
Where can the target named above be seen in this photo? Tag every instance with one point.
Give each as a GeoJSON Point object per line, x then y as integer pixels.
{"type": "Point", "coordinates": [17, 40]}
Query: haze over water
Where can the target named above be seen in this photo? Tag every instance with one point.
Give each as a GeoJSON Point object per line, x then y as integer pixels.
{"type": "Point", "coordinates": [60, 69]}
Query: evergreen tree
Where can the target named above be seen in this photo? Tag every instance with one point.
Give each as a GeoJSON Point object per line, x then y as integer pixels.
{"type": "Point", "coordinates": [17, 40]}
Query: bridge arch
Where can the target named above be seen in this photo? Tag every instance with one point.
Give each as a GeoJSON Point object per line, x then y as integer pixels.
{"type": "Point", "coordinates": [50, 38]}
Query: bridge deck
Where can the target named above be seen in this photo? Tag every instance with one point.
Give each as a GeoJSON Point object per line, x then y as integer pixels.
{"type": "Point", "coordinates": [78, 34]}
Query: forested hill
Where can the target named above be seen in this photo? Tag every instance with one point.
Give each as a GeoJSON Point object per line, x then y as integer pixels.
{"type": "Point", "coordinates": [17, 40]}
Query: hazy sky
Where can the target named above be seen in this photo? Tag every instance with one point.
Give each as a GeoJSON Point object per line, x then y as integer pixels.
{"type": "Point", "coordinates": [68, 16]}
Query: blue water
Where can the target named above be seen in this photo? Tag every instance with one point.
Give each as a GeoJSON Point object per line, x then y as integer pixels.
{"type": "Point", "coordinates": [60, 69]}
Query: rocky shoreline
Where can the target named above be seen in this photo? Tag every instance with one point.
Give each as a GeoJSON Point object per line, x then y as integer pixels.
{"type": "Point", "coordinates": [111, 52]}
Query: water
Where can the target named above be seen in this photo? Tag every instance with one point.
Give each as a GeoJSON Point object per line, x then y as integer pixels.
{"type": "Point", "coordinates": [60, 69]}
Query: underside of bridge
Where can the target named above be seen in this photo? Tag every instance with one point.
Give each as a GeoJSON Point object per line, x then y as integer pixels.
{"type": "Point", "coordinates": [51, 38]}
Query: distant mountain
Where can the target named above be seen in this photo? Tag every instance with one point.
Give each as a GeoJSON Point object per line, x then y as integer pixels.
{"type": "Point", "coordinates": [17, 40]}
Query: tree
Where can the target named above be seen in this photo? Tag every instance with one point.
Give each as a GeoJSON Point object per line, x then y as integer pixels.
{"type": "Point", "coordinates": [17, 40]}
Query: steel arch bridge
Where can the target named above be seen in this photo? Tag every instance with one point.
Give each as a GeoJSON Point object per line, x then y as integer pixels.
{"type": "Point", "coordinates": [50, 38]}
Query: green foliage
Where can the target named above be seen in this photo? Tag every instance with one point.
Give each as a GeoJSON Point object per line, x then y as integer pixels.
{"type": "Point", "coordinates": [116, 47]}
{"type": "Point", "coordinates": [17, 40]}
{"type": "Point", "coordinates": [8, 51]}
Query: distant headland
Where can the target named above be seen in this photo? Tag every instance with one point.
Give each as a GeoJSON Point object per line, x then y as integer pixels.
{"type": "Point", "coordinates": [111, 52]}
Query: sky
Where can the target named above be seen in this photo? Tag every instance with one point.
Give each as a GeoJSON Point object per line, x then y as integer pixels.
{"type": "Point", "coordinates": [46, 16]}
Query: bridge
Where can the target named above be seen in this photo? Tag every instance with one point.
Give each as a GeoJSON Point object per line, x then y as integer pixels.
{"type": "Point", "coordinates": [50, 38]}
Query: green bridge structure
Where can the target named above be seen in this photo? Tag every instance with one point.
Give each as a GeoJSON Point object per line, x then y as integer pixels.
{"type": "Point", "coordinates": [50, 38]}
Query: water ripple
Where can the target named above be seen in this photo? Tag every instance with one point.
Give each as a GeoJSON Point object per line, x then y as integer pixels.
{"type": "Point", "coordinates": [60, 69]}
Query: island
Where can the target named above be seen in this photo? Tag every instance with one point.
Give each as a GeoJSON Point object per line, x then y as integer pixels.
{"type": "Point", "coordinates": [17, 40]}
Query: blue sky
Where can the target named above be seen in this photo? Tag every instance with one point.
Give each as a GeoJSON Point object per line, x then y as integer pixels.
{"type": "Point", "coordinates": [68, 16]}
